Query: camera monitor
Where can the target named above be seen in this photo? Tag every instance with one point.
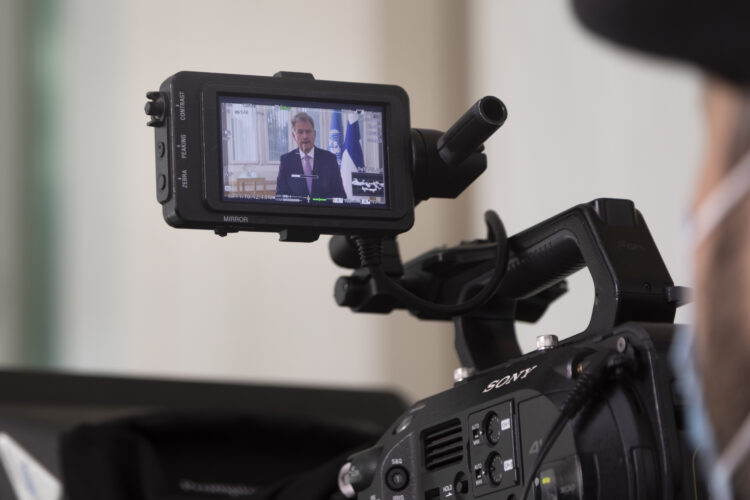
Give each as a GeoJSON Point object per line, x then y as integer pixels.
{"type": "Point", "coordinates": [288, 153]}
{"type": "Point", "coordinates": [302, 152]}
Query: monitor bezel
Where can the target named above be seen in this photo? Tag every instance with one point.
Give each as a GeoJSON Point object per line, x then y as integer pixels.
{"type": "Point", "coordinates": [396, 150]}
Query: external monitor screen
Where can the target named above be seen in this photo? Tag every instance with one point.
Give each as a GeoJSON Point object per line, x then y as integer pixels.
{"type": "Point", "coordinates": [303, 153]}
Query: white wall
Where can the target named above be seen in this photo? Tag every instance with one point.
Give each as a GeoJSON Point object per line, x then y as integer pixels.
{"type": "Point", "coordinates": [141, 298]}
{"type": "Point", "coordinates": [586, 120]}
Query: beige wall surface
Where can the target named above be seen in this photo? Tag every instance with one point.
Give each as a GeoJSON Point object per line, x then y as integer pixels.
{"type": "Point", "coordinates": [143, 298]}
{"type": "Point", "coordinates": [135, 296]}
{"type": "Point", "coordinates": [586, 120]}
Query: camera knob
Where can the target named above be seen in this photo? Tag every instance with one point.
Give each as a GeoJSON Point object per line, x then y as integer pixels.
{"type": "Point", "coordinates": [155, 108]}
{"type": "Point", "coordinates": [345, 481]}
{"type": "Point", "coordinates": [545, 342]}
{"type": "Point", "coordinates": [462, 373]}
{"type": "Point", "coordinates": [357, 474]}
{"type": "Point", "coordinates": [347, 291]}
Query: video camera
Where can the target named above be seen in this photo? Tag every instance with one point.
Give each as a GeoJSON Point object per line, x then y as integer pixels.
{"type": "Point", "coordinates": [593, 416]}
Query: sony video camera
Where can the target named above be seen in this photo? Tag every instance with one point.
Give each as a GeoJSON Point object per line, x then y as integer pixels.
{"type": "Point", "coordinates": [593, 416]}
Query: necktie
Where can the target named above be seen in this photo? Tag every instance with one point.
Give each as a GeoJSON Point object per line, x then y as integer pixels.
{"type": "Point", "coordinates": [308, 173]}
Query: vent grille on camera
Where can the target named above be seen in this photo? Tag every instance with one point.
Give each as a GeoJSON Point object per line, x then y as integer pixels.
{"type": "Point", "coordinates": [443, 445]}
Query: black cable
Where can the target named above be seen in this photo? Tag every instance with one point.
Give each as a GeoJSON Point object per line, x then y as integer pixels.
{"type": "Point", "coordinates": [547, 443]}
{"type": "Point", "coordinates": [590, 381]}
{"type": "Point", "coordinates": [369, 251]}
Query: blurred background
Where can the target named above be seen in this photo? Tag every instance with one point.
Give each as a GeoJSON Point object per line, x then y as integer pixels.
{"type": "Point", "coordinates": [93, 280]}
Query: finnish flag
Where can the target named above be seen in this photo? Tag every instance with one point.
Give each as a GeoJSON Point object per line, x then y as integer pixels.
{"type": "Point", "coordinates": [352, 159]}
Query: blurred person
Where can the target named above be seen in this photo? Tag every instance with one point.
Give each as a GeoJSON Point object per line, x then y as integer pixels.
{"type": "Point", "coordinates": [715, 354]}
{"type": "Point", "coordinates": [308, 171]}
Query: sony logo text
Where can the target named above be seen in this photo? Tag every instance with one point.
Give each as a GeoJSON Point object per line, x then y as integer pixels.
{"type": "Point", "coordinates": [519, 375]}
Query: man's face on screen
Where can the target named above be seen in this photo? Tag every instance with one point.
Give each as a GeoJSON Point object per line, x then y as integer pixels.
{"type": "Point", "coordinates": [304, 134]}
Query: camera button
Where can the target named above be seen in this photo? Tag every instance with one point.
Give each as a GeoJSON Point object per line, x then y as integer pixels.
{"type": "Point", "coordinates": [397, 478]}
{"type": "Point", "coordinates": [162, 182]}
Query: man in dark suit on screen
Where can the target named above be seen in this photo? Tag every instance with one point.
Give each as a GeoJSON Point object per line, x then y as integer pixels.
{"type": "Point", "coordinates": [308, 171]}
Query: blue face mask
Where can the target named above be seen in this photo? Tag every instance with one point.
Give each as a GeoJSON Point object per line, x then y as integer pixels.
{"type": "Point", "coordinates": [719, 468]}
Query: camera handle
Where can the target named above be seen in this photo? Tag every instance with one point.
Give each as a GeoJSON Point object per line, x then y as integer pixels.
{"type": "Point", "coordinates": [608, 236]}
{"type": "Point", "coordinates": [611, 239]}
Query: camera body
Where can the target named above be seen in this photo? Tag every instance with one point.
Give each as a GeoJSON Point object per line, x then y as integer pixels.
{"type": "Point", "coordinates": [508, 425]}
{"type": "Point", "coordinates": [481, 437]}
{"type": "Point", "coordinates": [220, 145]}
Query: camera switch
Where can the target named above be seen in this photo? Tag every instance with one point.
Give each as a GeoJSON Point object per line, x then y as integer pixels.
{"type": "Point", "coordinates": [478, 472]}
